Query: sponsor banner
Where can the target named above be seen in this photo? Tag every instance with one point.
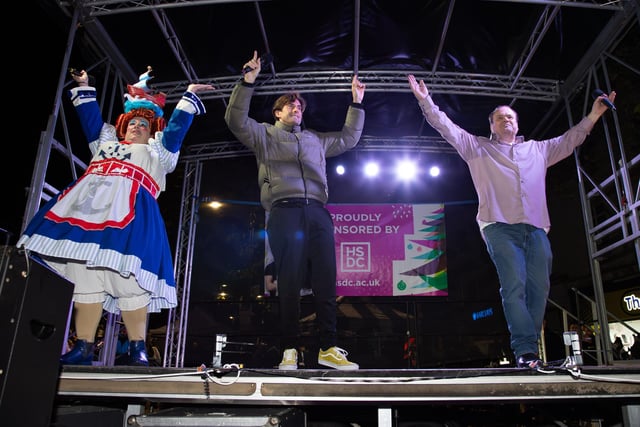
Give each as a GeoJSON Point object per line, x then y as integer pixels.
{"type": "Point", "coordinates": [390, 250]}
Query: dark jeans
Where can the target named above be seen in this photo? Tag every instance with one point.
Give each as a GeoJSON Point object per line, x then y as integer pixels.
{"type": "Point", "coordinates": [300, 233]}
{"type": "Point", "coordinates": [522, 256]}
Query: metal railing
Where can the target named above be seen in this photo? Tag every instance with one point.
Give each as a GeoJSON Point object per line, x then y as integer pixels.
{"type": "Point", "coordinates": [596, 353]}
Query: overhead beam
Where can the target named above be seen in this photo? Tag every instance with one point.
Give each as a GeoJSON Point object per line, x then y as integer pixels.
{"type": "Point", "coordinates": [601, 5]}
{"type": "Point", "coordinates": [491, 85]}
{"type": "Point", "coordinates": [113, 7]}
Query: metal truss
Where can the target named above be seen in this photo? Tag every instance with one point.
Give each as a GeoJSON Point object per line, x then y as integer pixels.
{"type": "Point", "coordinates": [95, 8]}
{"type": "Point", "coordinates": [227, 149]}
{"type": "Point", "coordinates": [178, 317]}
{"type": "Point", "coordinates": [113, 7]}
{"type": "Point", "coordinates": [490, 85]}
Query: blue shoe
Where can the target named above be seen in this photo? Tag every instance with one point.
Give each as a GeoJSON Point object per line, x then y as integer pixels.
{"type": "Point", "coordinates": [138, 354]}
{"type": "Point", "coordinates": [80, 354]}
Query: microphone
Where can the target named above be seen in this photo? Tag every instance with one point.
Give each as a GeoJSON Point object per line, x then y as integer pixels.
{"type": "Point", "coordinates": [76, 72]}
{"type": "Point", "coordinates": [265, 60]}
{"type": "Point", "coordinates": [597, 92]}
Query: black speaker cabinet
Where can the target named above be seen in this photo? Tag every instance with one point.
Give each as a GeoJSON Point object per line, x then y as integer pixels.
{"type": "Point", "coordinates": [34, 308]}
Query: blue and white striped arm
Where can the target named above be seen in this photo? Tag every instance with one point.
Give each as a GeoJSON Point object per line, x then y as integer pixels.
{"type": "Point", "coordinates": [191, 103]}
{"type": "Point", "coordinates": [82, 94]}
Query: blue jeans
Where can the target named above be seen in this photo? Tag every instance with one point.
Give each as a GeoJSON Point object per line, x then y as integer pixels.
{"type": "Point", "coordinates": [522, 256]}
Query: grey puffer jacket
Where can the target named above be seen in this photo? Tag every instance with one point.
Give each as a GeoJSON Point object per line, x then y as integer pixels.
{"type": "Point", "coordinates": [291, 161]}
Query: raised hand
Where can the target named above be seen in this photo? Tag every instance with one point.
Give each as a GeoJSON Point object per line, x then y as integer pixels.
{"type": "Point", "coordinates": [252, 68]}
{"type": "Point", "coordinates": [357, 89]}
{"type": "Point", "coordinates": [198, 87]}
{"type": "Point", "coordinates": [419, 90]}
{"type": "Point", "coordinates": [80, 77]}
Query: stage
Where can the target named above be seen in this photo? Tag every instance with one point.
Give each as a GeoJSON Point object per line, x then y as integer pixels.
{"type": "Point", "coordinates": [37, 392]}
{"type": "Point", "coordinates": [475, 397]}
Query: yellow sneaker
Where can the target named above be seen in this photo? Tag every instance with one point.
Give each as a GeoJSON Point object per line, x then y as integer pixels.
{"type": "Point", "coordinates": [289, 359]}
{"type": "Point", "coordinates": [336, 358]}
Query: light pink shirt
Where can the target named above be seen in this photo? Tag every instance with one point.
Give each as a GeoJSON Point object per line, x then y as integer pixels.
{"type": "Point", "coordinates": [509, 178]}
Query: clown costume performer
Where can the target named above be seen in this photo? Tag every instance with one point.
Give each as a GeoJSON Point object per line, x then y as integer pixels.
{"type": "Point", "coordinates": [105, 232]}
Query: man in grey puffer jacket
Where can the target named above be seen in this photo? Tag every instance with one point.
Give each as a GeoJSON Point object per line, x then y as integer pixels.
{"type": "Point", "coordinates": [293, 189]}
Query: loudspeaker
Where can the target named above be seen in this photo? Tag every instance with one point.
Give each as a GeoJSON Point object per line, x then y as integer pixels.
{"type": "Point", "coordinates": [77, 415]}
{"type": "Point", "coordinates": [34, 309]}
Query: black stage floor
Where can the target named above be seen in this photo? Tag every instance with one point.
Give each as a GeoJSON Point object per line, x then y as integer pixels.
{"type": "Point", "coordinates": [580, 396]}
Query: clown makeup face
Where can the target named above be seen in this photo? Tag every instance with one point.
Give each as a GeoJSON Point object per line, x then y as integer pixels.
{"type": "Point", "coordinates": [138, 131]}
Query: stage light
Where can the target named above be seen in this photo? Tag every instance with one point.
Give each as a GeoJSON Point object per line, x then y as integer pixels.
{"type": "Point", "coordinates": [218, 204]}
{"type": "Point", "coordinates": [340, 170]}
{"type": "Point", "coordinates": [214, 204]}
{"type": "Point", "coordinates": [211, 202]}
{"type": "Point", "coordinates": [434, 171]}
{"type": "Point", "coordinates": [406, 170]}
{"type": "Point", "coordinates": [371, 169]}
